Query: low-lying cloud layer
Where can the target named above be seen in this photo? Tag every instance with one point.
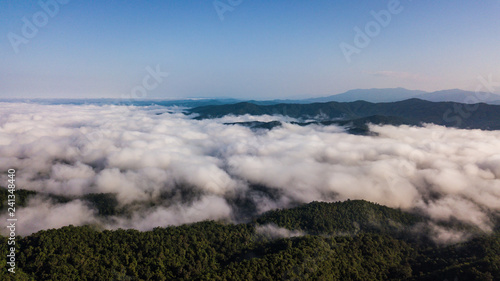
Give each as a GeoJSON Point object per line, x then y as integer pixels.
{"type": "Point", "coordinates": [271, 231]}
{"type": "Point", "coordinates": [202, 169]}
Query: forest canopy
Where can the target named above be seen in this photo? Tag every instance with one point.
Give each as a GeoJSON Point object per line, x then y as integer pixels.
{"type": "Point", "coordinates": [350, 240]}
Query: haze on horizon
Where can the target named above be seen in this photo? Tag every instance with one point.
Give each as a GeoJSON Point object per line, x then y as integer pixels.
{"type": "Point", "coordinates": [243, 49]}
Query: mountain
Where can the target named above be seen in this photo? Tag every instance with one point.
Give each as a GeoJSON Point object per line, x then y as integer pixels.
{"type": "Point", "coordinates": [354, 126]}
{"type": "Point", "coordinates": [399, 94]}
{"type": "Point", "coordinates": [350, 240]}
{"type": "Point", "coordinates": [412, 111]}
{"type": "Point", "coordinates": [370, 95]}
{"type": "Point", "coordinates": [461, 96]}
{"type": "Point", "coordinates": [320, 218]}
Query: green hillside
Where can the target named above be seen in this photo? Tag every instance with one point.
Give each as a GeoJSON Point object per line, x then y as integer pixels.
{"type": "Point", "coordinates": [411, 112]}
{"type": "Point", "coordinates": [362, 245]}
{"type": "Point", "coordinates": [342, 217]}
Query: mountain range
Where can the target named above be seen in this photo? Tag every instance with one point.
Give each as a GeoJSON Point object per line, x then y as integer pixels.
{"type": "Point", "coordinates": [400, 94]}
{"type": "Point", "coordinates": [370, 95]}
{"type": "Point", "coordinates": [412, 111]}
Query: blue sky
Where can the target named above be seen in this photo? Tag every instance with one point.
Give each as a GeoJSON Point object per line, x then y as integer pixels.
{"type": "Point", "coordinates": [254, 49]}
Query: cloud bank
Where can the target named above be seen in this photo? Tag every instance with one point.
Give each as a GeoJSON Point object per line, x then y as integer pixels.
{"type": "Point", "coordinates": [194, 170]}
{"type": "Point", "coordinates": [271, 231]}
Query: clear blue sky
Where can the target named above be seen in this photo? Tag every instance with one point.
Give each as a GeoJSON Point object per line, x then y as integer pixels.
{"type": "Point", "coordinates": [261, 49]}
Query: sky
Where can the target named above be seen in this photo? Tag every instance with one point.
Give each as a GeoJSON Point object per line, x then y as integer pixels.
{"type": "Point", "coordinates": [244, 49]}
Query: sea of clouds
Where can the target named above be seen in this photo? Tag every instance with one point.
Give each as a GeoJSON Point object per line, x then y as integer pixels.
{"type": "Point", "coordinates": [157, 154]}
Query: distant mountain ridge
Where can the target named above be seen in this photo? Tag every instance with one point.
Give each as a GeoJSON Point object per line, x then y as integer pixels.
{"type": "Point", "coordinates": [461, 96]}
{"type": "Point", "coordinates": [411, 112]}
{"type": "Point", "coordinates": [370, 95]}
{"type": "Point", "coordinates": [374, 95]}
{"type": "Point", "coordinates": [400, 94]}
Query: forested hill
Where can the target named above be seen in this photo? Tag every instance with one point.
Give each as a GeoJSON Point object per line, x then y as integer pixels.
{"type": "Point", "coordinates": [412, 111]}
{"type": "Point", "coordinates": [341, 217]}
{"type": "Point", "coordinates": [363, 245]}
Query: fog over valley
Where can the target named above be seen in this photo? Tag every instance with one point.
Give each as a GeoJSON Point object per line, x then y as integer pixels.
{"type": "Point", "coordinates": [166, 168]}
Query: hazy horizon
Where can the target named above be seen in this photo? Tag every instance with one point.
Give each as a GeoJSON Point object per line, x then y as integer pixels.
{"type": "Point", "coordinates": [243, 98]}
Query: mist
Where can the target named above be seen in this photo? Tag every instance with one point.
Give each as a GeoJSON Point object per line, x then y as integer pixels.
{"type": "Point", "coordinates": [194, 170]}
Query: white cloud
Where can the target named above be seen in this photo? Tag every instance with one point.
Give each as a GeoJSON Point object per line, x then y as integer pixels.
{"type": "Point", "coordinates": [140, 155]}
{"type": "Point", "coordinates": [272, 231]}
